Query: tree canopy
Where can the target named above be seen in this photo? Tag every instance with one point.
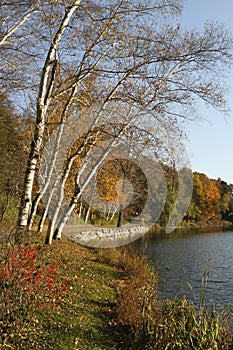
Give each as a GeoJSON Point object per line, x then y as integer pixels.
{"type": "Point", "coordinates": [99, 62]}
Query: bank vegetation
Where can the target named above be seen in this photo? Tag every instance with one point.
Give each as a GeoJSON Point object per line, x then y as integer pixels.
{"type": "Point", "coordinates": [71, 297]}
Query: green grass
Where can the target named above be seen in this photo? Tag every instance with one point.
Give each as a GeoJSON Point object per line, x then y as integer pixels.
{"type": "Point", "coordinates": [111, 303]}
{"type": "Point", "coordinates": [10, 216]}
{"type": "Point", "coordinates": [84, 319]}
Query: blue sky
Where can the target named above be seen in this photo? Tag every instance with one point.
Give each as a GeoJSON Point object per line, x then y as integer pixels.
{"type": "Point", "coordinates": [210, 143]}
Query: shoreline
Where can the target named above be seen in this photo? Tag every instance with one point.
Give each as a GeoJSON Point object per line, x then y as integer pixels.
{"type": "Point", "coordinates": [106, 237]}
{"type": "Point", "coordinates": [197, 226]}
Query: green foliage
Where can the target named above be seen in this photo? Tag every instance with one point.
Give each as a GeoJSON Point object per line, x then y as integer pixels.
{"type": "Point", "coordinates": [180, 326]}
{"type": "Point", "coordinates": [225, 205]}
{"type": "Point", "coordinates": [211, 199]}
{"type": "Point", "coordinates": [8, 209]}
{"type": "Point", "coordinates": [13, 158]}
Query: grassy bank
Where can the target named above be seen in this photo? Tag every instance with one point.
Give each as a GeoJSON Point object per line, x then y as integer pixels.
{"type": "Point", "coordinates": [70, 297]}
{"type": "Point", "coordinates": [82, 317]}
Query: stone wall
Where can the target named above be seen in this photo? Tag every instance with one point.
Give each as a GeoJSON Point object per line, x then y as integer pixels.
{"type": "Point", "coordinates": [109, 237]}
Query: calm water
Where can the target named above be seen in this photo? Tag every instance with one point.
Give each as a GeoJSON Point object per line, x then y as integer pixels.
{"type": "Point", "coordinates": [182, 258]}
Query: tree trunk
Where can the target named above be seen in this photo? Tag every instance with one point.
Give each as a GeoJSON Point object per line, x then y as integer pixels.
{"type": "Point", "coordinates": [80, 208]}
{"type": "Point", "coordinates": [43, 102]}
{"type": "Point", "coordinates": [42, 221]}
{"type": "Point", "coordinates": [32, 215]}
{"type": "Point", "coordinates": [114, 212]}
{"type": "Point", "coordinates": [46, 210]}
{"type": "Point", "coordinates": [119, 222]}
{"type": "Point", "coordinates": [79, 192]}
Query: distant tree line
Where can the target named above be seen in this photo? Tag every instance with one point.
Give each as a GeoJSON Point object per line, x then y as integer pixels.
{"type": "Point", "coordinates": [211, 199]}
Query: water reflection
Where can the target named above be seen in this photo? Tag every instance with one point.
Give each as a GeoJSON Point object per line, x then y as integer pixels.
{"type": "Point", "coordinates": [181, 258]}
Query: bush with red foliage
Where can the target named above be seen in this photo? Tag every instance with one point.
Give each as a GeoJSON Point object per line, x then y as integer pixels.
{"type": "Point", "coordinates": [28, 281]}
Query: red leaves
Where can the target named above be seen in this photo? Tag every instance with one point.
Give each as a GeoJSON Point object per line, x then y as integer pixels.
{"type": "Point", "coordinates": [25, 278]}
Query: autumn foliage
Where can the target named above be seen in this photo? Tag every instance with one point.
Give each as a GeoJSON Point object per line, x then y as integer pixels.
{"type": "Point", "coordinates": [27, 283]}
{"type": "Point", "coordinates": [212, 199]}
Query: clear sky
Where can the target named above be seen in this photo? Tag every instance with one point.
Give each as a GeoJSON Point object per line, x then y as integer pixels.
{"type": "Point", "coordinates": [210, 143]}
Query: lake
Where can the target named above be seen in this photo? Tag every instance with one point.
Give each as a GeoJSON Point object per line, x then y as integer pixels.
{"type": "Point", "coordinates": [182, 258]}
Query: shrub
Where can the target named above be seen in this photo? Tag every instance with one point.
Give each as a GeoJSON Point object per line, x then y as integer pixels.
{"type": "Point", "coordinates": [27, 283]}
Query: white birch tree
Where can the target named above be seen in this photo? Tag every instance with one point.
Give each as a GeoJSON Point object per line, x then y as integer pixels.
{"type": "Point", "coordinates": [43, 103]}
{"type": "Point", "coordinates": [52, 50]}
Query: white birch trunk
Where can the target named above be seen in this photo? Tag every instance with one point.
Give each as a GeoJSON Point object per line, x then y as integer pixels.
{"type": "Point", "coordinates": [48, 176]}
{"type": "Point", "coordinates": [43, 102]}
{"type": "Point", "coordinates": [80, 208]}
{"type": "Point", "coordinates": [87, 214]}
{"type": "Point", "coordinates": [88, 211]}
{"type": "Point", "coordinates": [33, 211]}
{"type": "Point", "coordinates": [114, 212]}
{"type": "Point", "coordinates": [76, 196]}
{"type": "Point", "coordinates": [56, 234]}
{"type": "Point", "coordinates": [108, 211]}
{"type": "Point", "coordinates": [46, 210]}
{"type": "Point", "coordinates": [42, 221]}
{"type": "Point", "coordinates": [51, 232]}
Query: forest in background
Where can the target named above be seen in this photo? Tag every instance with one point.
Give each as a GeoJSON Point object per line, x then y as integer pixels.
{"type": "Point", "coordinates": [212, 199]}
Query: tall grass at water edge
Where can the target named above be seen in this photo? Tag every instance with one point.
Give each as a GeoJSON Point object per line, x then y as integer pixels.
{"type": "Point", "coordinates": [172, 324]}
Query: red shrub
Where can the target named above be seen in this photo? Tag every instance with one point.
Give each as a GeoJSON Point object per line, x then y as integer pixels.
{"type": "Point", "coordinates": [27, 282]}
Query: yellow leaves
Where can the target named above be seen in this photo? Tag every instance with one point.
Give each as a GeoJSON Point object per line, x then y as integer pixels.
{"type": "Point", "coordinates": [206, 195]}
{"type": "Point", "coordinates": [107, 180]}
